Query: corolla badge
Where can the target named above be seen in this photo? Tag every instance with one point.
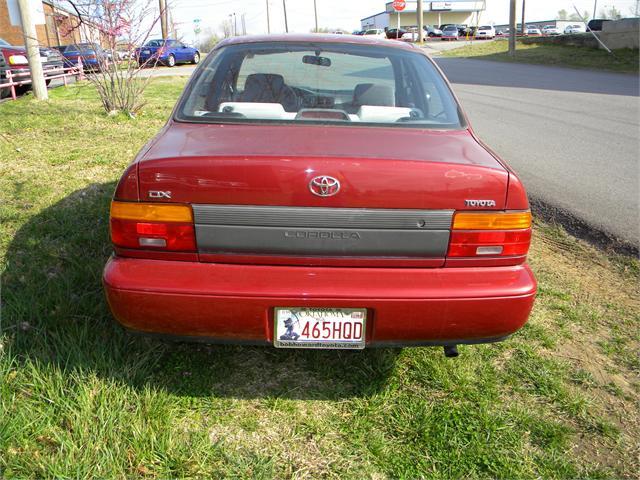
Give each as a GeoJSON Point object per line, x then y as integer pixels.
{"type": "Point", "coordinates": [324, 186]}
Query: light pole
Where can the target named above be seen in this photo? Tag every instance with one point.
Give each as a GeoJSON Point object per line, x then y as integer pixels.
{"type": "Point", "coordinates": [33, 52]}
{"type": "Point", "coordinates": [315, 9]}
{"type": "Point", "coordinates": [420, 21]}
{"type": "Point", "coordinates": [286, 24]}
{"type": "Point", "coordinates": [268, 21]}
{"type": "Point", "coordinates": [512, 28]}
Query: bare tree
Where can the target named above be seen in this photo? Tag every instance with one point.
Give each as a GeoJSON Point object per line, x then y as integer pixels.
{"type": "Point", "coordinates": [209, 41]}
{"type": "Point", "coordinates": [110, 31]}
{"type": "Point", "coordinates": [226, 27]}
{"type": "Point", "coordinates": [562, 14]}
{"type": "Point", "coordinates": [611, 13]}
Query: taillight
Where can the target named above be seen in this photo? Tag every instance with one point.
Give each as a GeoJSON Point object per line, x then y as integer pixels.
{"type": "Point", "coordinates": [152, 226]}
{"type": "Point", "coordinates": [490, 234]}
{"type": "Point", "coordinates": [18, 60]}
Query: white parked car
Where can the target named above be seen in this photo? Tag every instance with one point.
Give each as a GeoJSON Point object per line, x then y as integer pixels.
{"type": "Point", "coordinates": [376, 32]}
{"type": "Point", "coordinates": [486, 31]}
{"type": "Point", "coordinates": [551, 30]}
{"type": "Point", "coordinates": [532, 31]}
{"type": "Point", "coordinates": [576, 28]}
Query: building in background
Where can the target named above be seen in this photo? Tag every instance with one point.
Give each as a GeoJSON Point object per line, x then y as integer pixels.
{"type": "Point", "coordinates": [61, 27]}
{"type": "Point", "coordinates": [461, 12]}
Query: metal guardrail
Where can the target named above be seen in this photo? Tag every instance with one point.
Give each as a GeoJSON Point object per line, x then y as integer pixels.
{"type": "Point", "coordinates": [14, 80]}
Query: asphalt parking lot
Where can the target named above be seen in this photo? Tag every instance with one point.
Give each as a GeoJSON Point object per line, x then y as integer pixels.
{"type": "Point", "coordinates": [572, 135]}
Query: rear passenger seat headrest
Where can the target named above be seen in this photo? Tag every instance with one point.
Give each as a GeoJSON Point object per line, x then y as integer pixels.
{"type": "Point", "coordinates": [375, 95]}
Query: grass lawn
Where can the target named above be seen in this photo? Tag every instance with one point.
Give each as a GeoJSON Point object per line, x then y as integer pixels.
{"type": "Point", "coordinates": [81, 398]}
{"type": "Point", "coordinates": [624, 60]}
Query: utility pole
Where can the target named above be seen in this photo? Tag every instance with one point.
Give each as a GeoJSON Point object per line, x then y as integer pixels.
{"type": "Point", "coordinates": [163, 18]}
{"type": "Point", "coordinates": [244, 24]}
{"type": "Point", "coordinates": [33, 51]}
{"type": "Point", "coordinates": [595, 7]}
{"type": "Point", "coordinates": [268, 21]}
{"type": "Point", "coordinates": [315, 9]}
{"type": "Point", "coordinates": [286, 24]}
{"type": "Point", "coordinates": [420, 10]}
{"type": "Point", "coordinates": [235, 25]}
{"type": "Point", "coordinates": [512, 28]}
{"type": "Point", "coordinates": [522, 28]}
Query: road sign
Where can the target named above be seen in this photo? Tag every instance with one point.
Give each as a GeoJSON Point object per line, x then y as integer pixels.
{"type": "Point", "coordinates": [399, 5]}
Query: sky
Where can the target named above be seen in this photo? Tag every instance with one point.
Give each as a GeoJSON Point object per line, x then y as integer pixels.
{"type": "Point", "coordinates": [346, 15]}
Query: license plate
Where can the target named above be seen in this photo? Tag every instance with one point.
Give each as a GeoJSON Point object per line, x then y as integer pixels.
{"type": "Point", "coordinates": [339, 328]}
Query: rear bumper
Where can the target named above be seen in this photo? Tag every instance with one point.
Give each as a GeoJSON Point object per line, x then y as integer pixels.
{"type": "Point", "coordinates": [235, 303]}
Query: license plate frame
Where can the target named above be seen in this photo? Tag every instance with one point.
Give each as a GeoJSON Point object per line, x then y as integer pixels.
{"type": "Point", "coordinates": [308, 329]}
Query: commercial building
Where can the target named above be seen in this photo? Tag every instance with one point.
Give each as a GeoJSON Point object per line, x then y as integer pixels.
{"type": "Point", "coordinates": [461, 12]}
{"type": "Point", "coordinates": [61, 27]}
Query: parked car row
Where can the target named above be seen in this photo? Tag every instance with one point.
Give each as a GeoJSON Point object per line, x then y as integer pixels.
{"type": "Point", "coordinates": [13, 58]}
{"type": "Point", "coordinates": [165, 52]}
{"type": "Point", "coordinates": [13, 61]}
{"type": "Point", "coordinates": [551, 30]}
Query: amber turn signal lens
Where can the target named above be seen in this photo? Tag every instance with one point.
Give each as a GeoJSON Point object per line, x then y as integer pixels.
{"type": "Point", "coordinates": [492, 220]}
{"type": "Point", "coordinates": [151, 212]}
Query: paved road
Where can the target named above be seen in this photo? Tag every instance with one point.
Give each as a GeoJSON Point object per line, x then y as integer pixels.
{"type": "Point", "coordinates": [572, 135]}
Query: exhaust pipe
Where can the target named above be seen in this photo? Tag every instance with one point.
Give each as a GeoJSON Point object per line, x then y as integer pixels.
{"type": "Point", "coordinates": [451, 351]}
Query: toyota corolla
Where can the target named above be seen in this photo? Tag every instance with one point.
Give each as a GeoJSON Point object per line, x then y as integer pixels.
{"type": "Point", "coordinates": [312, 191]}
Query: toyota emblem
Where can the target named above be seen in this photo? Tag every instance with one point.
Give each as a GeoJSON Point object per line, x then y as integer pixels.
{"type": "Point", "coordinates": [324, 186]}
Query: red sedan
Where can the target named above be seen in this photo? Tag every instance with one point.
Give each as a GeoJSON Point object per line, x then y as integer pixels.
{"type": "Point", "coordinates": [311, 191]}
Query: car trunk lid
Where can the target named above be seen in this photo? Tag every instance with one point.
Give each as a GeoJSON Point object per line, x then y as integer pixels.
{"type": "Point", "coordinates": [251, 190]}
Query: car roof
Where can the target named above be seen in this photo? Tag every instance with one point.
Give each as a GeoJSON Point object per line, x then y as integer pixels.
{"type": "Point", "coordinates": [315, 38]}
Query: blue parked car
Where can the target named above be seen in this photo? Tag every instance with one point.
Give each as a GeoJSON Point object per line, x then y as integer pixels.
{"type": "Point", "coordinates": [92, 56]}
{"type": "Point", "coordinates": [167, 52]}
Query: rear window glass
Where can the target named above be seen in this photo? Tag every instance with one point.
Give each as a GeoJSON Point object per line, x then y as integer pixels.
{"type": "Point", "coordinates": [83, 48]}
{"type": "Point", "coordinates": [327, 83]}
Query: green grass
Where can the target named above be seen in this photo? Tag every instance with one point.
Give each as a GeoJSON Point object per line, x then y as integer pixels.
{"type": "Point", "coordinates": [623, 60]}
{"type": "Point", "coordinates": [81, 398]}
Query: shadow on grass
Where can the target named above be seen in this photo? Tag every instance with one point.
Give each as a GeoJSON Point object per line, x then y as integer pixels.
{"type": "Point", "coordinates": [55, 315]}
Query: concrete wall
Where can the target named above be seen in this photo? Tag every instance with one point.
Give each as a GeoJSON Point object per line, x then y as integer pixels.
{"type": "Point", "coordinates": [623, 33]}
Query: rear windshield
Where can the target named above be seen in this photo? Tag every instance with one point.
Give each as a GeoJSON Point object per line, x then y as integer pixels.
{"type": "Point", "coordinates": [82, 48]}
{"type": "Point", "coordinates": [325, 83]}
